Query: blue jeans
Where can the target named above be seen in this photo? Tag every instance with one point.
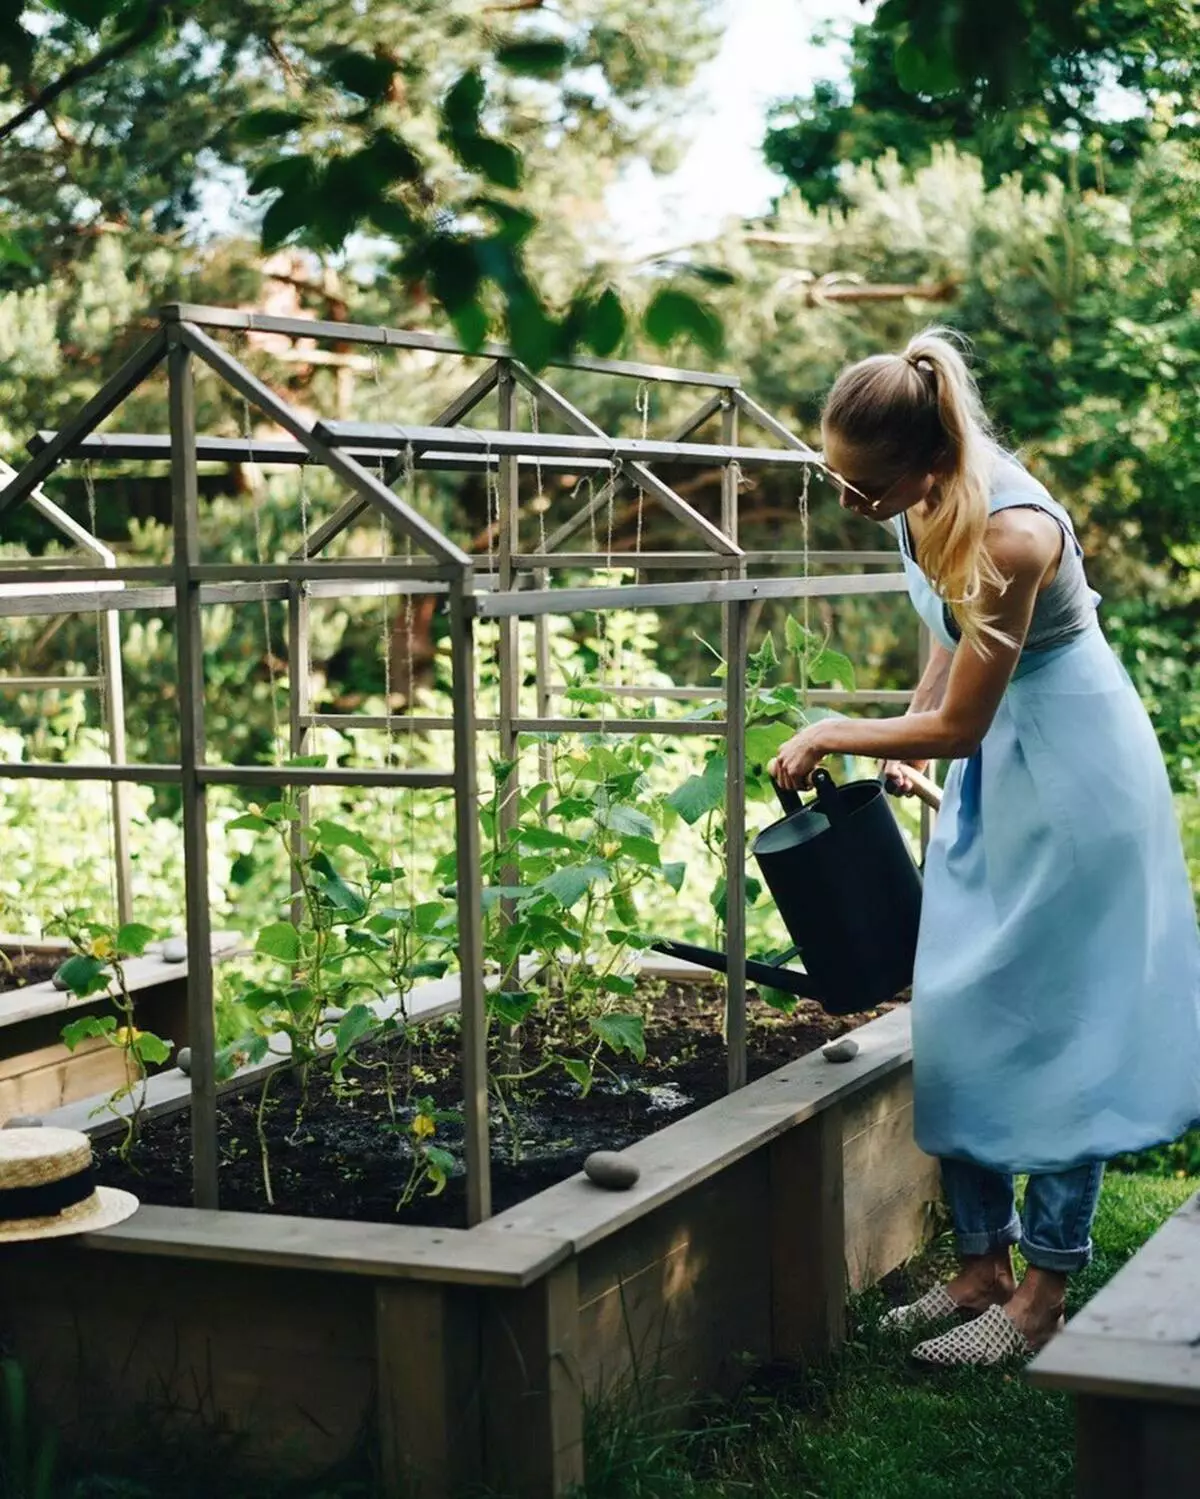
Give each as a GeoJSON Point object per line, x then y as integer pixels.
{"type": "Point", "coordinates": [1058, 1212]}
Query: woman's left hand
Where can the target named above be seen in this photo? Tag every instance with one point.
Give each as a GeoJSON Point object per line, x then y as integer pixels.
{"type": "Point", "coordinates": [798, 758]}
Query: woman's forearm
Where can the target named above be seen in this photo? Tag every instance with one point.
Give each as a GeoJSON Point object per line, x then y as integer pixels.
{"type": "Point", "coordinates": [931, 689]}
{"type": "Point", "coordinates": [915, 736]}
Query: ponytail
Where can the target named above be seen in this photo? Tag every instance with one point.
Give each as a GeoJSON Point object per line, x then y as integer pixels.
{"type": "Point", "coordinates": [921, 409]}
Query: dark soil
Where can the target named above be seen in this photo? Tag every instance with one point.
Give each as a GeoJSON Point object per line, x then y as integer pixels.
{"type": "Point", "coordinates": [347, 1158]}
{"type": "Point", "coordinates": [20, 969]}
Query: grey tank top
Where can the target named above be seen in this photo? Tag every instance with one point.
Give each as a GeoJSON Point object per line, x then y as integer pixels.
{"type": "Point", "coordinates": [1066, 608]}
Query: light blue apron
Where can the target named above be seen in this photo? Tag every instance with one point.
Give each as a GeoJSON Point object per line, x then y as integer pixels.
{"type": "Point", "coordinates": [1056, 999]}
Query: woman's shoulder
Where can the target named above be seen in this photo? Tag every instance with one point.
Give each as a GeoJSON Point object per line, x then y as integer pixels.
{"type": "Point", "coordinates": [1023, 540]}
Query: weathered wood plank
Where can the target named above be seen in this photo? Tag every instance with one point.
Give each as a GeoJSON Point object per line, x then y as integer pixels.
{"type": "Point", "coordinates": [681, 1299]}
{"type": "Point", "coordinates": [533, 1402]}
{"type": "Point", "coordinates": [891, 1185]}
{"type": "Point", "coordinates": [1108, 1450]}
{"type": "Point", "coordinates": [1122, 1368]}
{"type": "Point", "coordinates": [476, 1257]}
{"type": "Point", "coordinates": [170, 1345]}
{"type": "Point", "coordinates": [429, 1390]}
{"type": "Point", "coordinates": [808, 1239]}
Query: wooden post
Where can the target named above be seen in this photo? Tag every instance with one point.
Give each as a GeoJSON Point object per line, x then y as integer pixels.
{"type": "Point", "coordinates": [737, 638]}
{"type": "Point", "coordinates": [1108, 1449]}
{"type": "Point", "coordinates": [808, 1239]}
{"type": "Point", "coordinates": [190, 649]}
{"type": "Point", "coordinates": [429, 1389]}
{"type": "Point", "coordinates": [533, 1397]}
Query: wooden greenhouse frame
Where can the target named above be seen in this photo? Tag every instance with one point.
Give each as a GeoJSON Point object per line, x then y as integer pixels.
{"type": "Point", "coordinates": [505, 1327]}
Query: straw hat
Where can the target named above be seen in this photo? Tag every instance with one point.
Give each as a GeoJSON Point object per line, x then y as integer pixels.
{"type": "Point", "coordinates": [48, 1190]}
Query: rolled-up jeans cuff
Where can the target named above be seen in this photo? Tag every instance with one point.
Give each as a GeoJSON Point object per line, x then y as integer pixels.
{"type": "Point", "coordinates": [989, 1242]}
{"type": "Point", "coordinates": [1061, 1261]}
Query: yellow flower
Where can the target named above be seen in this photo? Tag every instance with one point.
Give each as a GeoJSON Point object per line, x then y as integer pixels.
{"type": "Point", "coordinates": [124, 1036]}
{"type": "Point", "coordinates": [102, 947]}
{"type": "Point", "coordinates": [423, 1127]}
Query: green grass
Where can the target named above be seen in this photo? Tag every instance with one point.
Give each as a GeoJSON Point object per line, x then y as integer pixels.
{"type": "Point", "coordinates": [869, 1426]}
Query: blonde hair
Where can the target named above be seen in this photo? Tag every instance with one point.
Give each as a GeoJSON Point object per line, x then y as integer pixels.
{"type": "Point", "coordinates": [920, 411]}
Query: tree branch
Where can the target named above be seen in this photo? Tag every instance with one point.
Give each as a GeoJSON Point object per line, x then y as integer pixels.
{"type": "Point", "coordinates": [85, 70]}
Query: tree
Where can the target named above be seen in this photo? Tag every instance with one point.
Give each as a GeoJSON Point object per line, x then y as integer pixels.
{"type": "Point", "coordinates": [436, 130]}
{"type": "Point", "coordinates": [1026, 88]}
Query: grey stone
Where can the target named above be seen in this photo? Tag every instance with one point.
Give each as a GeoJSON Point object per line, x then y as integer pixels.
{"type": "Point", "coordinates": [609, 1169]}
{"type": "Point", "coordinates": [331, 1014]}
{"type": "Point", "coordinates": [60, 984]}
{"type": "Point", "coordinates": [23, 1121]}
{"type": "Point", "coordinates": [845, 1049]}
{"type": "Point", "coordinates": [174, 950]}
{"type": "Point", "coordinates": [183, 1060]}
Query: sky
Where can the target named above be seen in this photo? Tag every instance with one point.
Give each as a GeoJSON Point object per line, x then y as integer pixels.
{"type": "Point", "coordinates": [767, 54]}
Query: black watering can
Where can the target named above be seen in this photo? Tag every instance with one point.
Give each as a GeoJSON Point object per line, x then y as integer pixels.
{"type": "Point", "coordinates": [849, 893]}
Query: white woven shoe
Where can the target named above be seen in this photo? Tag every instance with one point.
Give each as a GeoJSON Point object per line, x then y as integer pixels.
{"type": "Point", "coordinates": [992, 1338]}
{"type": "Point", "coordinates": [935, 1306]}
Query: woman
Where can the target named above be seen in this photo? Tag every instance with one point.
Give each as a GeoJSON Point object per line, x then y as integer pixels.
{"type": "Point", "coordinates": [1056, 999]}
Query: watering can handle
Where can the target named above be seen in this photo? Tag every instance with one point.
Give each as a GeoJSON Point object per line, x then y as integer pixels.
{"type": "Point", "coordinates": [926, 790]}
{"type": "Point", "coordinates": [789, 800]}
{"type": "Point", "coordinates": [823, 784]}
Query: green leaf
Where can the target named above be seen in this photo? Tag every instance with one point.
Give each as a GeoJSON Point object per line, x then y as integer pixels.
{"type": "Point", "coordinates": [795, 636]}
{"type": "Point", "coordinates": [673, 874]}
{"type": "Point", "coordinates": [249, 822]}
{"type": "Point", "coordinates": [499, 162]}
{"type": "Point", "coordinates": [622, 1033]}
{"type": "Point", "coordinates": [306, 762]}
{"type": "Point", "coordinates": [675, 314]}
{"type": "Point", "coordinates": [281, 941]}
{"type": "Point", "coordinates": [539, 837]}
{"type": "Point", "coordinates": [920, 72]}
{"type": "Point", "coordinates": [511, 1008]}
{"type": "Point", "coordinates": [832, 666]}
{"type": "Point", "coordinates": [266, 124]}
{"type": "Point", "coordinates": [14, 253]}
{"type": "Point", "coordinates": [332, 835]}
{"type": "Point", "coordinates": [290, 174]}
{"type": "Point", "coordinates": [700, 794]}
{"type": "Point", "coordinates": [259, 999]}
{"type": "Point", "coordinates": [352, 1027]}
{"type": "Point", "coordinates": [777, 999]}
{"type": "Point", "coordinates": [535, 56]}
{"type": "Point", "coordinates": [132, 939]}
{"type": "Point", "coordinates": [84, 975]}
{"type": "Point", "coordinates": [618, 983]}
{"type": "Point", "coordinates": [334, 889]}
{"type": "Point", "coordinates": [572, 883]}
{"type": "Point", "coordinates": [462, 105]}
{"type": "Point", "coordinates": [604, 323]}
{"type": "Point", "coordinates": [429, 968]}
{"type": "Point", "coordinates": [368, 77]}
{"type": "Point", "coordinates": [766, 658]}
{"type": "Point", "coordinates": [90, 1027]}
{"type": "Point", "coordinates": [580, 1072]}
{"type": "Point", "coordinates": [763, 741]}
{"type": "Point", "coordinates": [622, 819]}
{"type": "Point", "coordinates": [642, 851]}
{"type": "Point", "coordinates": [152, 1049]}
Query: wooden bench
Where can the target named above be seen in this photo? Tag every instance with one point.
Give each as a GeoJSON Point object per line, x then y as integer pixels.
{"type": "Point", "coordinates": [1131, 1359]}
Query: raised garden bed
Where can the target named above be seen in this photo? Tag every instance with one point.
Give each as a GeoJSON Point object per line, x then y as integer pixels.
{"type": "Point", "coordinates": [464, 1356]}
{"type": "Point", "coordinates": [38, 1073]}
{"type": "Point", "coordinates": [1131, 1359]}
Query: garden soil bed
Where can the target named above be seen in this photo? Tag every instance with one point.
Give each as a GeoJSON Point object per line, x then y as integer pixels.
{"type": "Point", "coordinates": [349, 1160]}
{"type": "Point", "coordinates": [25, 968]}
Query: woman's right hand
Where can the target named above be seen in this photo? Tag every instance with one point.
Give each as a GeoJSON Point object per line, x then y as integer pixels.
{"type": "Point", "coordinates": [895, 775]}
